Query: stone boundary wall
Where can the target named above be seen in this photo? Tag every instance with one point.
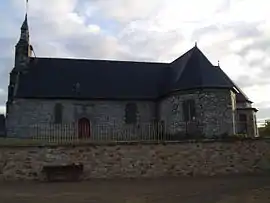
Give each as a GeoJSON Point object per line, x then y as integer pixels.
{"type": "Point", "coordinates": [135, 160]}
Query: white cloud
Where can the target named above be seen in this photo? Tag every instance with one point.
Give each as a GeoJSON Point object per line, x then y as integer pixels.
{"type": "Point", "coordinates": [258, 92]}
{"type": "Point", "coordinates": [254, 54]}
{"type": "Point", "coordinates": [216, 38]}
{"type": "Point", "coordinates": [127, 10]}
{"type": "Point", "coordinates": [264, 27]}
{"type": "Point", "coordinates": [2, 92]}
{"type": "Point", "coordinates": [234, 65]}
{"type": "Point", "coordinates": [243, 11]}
{"type": "Point", "coordinates": [239, 44]}
{"type": "Point", "coordinates": [94, 28]}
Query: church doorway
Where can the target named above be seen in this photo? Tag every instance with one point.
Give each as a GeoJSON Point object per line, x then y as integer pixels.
{"type": "Point", "coordinates": [84, 128]}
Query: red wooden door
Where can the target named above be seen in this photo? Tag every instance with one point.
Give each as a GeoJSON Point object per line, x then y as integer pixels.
{"type": "Point", "coordinates": [84, 128]}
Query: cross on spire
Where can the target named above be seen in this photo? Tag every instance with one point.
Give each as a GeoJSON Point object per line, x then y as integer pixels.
{"type": "Point", "coordinates": [24, 27]}
{"type": "Point", "coordinates": [26, 7]}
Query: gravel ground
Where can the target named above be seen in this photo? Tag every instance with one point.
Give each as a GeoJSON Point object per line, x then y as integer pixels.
{"type": "Point", "coordinates": [244, 189]}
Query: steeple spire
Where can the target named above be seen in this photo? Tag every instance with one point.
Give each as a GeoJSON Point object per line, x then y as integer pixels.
{"type": "Point", "coordinates": [25, 23]}
{"type": "Point", "coordinates": [25, 30]}
{"type": "Point", "coordinates": [23, 48]}
{"type": "Point", "coordinates": [24, 27]}
{"type": "Point", "coordinates": [22, 58]}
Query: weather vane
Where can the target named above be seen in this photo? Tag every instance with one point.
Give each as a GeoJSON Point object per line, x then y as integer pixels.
{"type": "Point", "coordinates": [26, 7]}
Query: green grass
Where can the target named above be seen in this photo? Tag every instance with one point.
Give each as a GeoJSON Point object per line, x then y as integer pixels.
{"type": "Point", "coordinates": [18, 142]}
{"type": "Point", "coordinates": [9, 142]}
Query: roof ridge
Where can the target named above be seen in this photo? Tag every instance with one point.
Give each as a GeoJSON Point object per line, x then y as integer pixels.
{"type": "Point", "coordinates": [183, 55]}
{"type": "Point", "coordinates": [199, 52]}
{"type": "Point", "coordinates": [100, 60]}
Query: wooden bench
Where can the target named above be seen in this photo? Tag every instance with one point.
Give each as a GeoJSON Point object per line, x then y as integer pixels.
{"type": "Point", "coordinates": [67, 172]}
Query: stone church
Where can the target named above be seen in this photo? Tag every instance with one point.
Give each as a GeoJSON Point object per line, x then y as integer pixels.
{"type": "Point", "coordinates": [188, 93]}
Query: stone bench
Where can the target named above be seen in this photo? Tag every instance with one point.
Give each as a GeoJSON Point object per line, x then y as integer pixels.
{"type": "Point", "coordinates": [65, 172]}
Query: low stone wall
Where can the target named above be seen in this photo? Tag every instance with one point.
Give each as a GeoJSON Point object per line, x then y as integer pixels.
{"type": "Point", "coordinates": [139, 160]}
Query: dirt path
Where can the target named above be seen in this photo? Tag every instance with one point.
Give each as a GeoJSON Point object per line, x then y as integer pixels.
{"type": "Point", "coordinates": [194, 190]}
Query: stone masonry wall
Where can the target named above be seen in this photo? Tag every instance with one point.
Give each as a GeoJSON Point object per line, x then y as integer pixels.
{"type": "Point", "coordinates": [215, 111]}
{"type": "Point", "coordinates": [214, 114]}
{"type": "Point", "coordinates": [246, 108]}
{"type": "Point", "coordinates": [251, 124]}
{"type": "Point", "coordinates": [138, 160]}
{"type": "Point", "coordinates": [101, 113]}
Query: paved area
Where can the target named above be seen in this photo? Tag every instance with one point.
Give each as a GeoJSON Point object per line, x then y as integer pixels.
{"type": "Point", "coordinates": [184, 190]}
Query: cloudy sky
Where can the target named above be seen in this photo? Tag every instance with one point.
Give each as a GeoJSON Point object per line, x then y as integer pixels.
{"type": "Point", "coordinates": [236, 32]}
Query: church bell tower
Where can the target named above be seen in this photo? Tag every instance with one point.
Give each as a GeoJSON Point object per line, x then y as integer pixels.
{"type": "Point", "coordinates": [22, 49]}
{"type": "Point", "coordinates": [22, 57]}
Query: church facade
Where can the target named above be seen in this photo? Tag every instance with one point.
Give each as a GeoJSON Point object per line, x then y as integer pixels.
{"type": "Point", "coordinates": [188, 93]}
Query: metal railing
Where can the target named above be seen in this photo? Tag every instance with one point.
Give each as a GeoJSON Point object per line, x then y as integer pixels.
{"type": "Point", "coordinates": [154, 131]}
{"type": "Point", "coordinates": [96, 133]}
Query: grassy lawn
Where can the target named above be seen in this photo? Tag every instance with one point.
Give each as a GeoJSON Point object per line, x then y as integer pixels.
{"type": "Point", "coordinates": [23, 142]}
{"type": "Point", "coordinates": [9, 142]}
{"type": "Point", "coordinates": [19, 142]}
{"type": "Point", "coordinates": [32, 142]}
{"type": "Point", "coordinates": [46, 142]}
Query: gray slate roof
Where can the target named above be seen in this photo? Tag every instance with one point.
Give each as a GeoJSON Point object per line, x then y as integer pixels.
{"type": "Point", "coordinates": [194, 70]}
{"type": "Point", "coordinates": [104, 79]}
{"type": "Point", "coordinates": [57, 78]}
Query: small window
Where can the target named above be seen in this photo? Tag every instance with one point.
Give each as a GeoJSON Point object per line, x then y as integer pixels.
{"type": "Point", "coordinates": [242, 117]}
{"type": "Point", "coordinates": [131, 113]}
{"type": "Point", "coordinates": [58, 111]}
{"type": "Point", "coordinates": [189, 110]}
{"type": "Point", "coordinates": [243, 123]}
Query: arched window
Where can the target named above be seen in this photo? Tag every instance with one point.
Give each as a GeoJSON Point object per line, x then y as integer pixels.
{"type": "Point", "coordinates": [84, 128]}
{"type": "Point", "coordinates": [58, 113]}
{"type": "Point", "coordinates": [131, 113]}
{"type": "Point", "coordinates": [189, 110]}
